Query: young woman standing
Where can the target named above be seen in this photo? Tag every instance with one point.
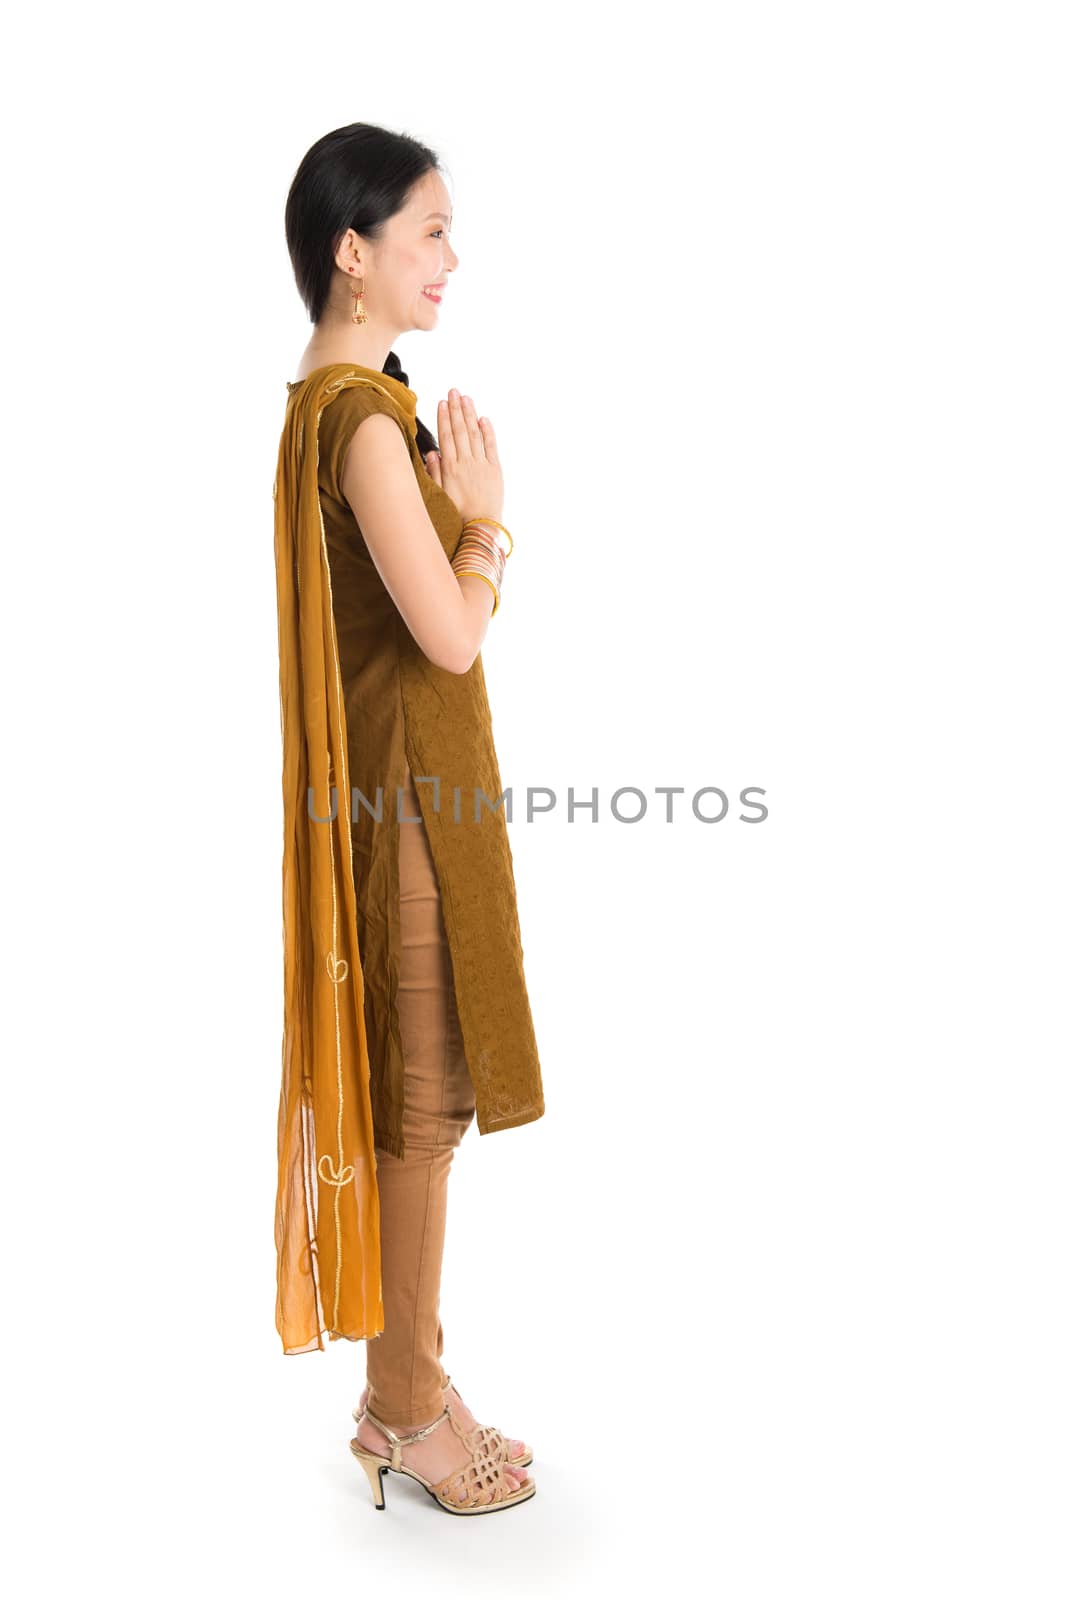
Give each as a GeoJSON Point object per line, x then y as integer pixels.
{"type": "Point", "coordinates": [406, 1014]}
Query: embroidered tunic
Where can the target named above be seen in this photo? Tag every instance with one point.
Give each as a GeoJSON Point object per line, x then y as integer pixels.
{"type": "Point", "coordinates": [400, 708]}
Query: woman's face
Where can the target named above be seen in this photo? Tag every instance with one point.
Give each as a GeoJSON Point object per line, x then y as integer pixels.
{"type": "Point", "coordinates": [412, 256]}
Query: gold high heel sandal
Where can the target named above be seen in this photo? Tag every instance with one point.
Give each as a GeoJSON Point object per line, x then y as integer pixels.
{"type": "Point", "coordinates": [523, 1460]}
{"type": "Point", "coordinates": [478, 1487]}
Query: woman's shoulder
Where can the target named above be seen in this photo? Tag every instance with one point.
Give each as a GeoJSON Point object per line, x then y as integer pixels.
{"type": "Point", "coordinates": [350, 405]}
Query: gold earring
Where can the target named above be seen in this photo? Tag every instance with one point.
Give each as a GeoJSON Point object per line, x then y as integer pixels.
{"type": "Point", "coordinates": [358, 313]}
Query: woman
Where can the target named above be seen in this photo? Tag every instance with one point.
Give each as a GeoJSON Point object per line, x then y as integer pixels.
{"type": "Point", "coordinates": [406, 1009]}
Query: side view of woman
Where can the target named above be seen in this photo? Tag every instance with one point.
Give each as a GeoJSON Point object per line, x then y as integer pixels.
{"type": "Point", "coordinates": [406, 1014]}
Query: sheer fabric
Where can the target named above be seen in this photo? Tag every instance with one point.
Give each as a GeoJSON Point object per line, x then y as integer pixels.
{"type": "Point", "coordinates": [327, 1215]}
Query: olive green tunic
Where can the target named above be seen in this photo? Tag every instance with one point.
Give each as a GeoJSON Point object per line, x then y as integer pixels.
{"type": "Point", "coordinates": [401, 708]}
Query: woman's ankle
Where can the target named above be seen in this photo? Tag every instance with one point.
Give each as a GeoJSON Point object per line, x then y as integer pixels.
{"type": "Point", "coordinates": [406, 1428]}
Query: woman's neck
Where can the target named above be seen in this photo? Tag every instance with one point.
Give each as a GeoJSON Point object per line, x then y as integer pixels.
{"type": "Point", "coordinates": [358, 347]}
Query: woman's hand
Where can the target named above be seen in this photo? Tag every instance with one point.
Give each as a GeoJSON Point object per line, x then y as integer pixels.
{"type": "Point", "coordinates": [467, 467]}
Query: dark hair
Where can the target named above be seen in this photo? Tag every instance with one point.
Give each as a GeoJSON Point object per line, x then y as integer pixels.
{"type": "Point", "coordinates": [355, 177]}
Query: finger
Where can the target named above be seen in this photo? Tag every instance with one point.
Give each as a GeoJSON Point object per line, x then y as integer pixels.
{"type": "Point", "coordinates": [458, 422]}
{"type": "Point", "coordinates": [474, 432]}
{"type": "Point", "coordinates": [448, 439]}
{"type": "Point", "coordinates": [489, 440]}
{"type": "Point", "coordinates": [433, 466]}
{"type": "Point", "coordinates": [445, 440]}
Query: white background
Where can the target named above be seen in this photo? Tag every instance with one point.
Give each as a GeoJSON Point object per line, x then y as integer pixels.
{"type": "Point", "coordinates": [767, 306]}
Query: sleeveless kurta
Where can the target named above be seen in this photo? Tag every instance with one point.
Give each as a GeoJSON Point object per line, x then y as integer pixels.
{"type": "Point", "coordinates": [402, 709]}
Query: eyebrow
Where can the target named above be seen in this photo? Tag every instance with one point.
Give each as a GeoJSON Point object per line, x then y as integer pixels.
{"type": "Point", "coordinates": [432, 214]}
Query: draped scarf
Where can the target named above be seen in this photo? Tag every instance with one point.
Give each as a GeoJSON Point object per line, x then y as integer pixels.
{"type": "Point", "coordinates": [327, 1211]}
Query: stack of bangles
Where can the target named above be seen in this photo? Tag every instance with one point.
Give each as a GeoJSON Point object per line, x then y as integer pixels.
{"type": "Point", "coordinates": [481, 553]}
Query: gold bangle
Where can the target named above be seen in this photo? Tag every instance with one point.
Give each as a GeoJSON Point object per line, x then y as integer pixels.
{"type": "Point", "coordinates": [486, 536]}
{"type": "Point", "coordinates": [488, 573]}
{"type": "Point", "coordinates": [466, 573]}
{"type": "Point", "coordinates": [480, 551]}
{"type": "Point", "coordinates": [494, 524]}
{"type": "Point", "coordinates": [481, 543]}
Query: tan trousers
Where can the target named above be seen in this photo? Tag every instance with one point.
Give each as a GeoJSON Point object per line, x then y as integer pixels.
{"type": "Point", "coordinates": [404, 1367]}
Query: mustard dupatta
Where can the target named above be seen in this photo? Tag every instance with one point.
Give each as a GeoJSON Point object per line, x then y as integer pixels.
{"type": "Point", "coordinates": [327, 1216]}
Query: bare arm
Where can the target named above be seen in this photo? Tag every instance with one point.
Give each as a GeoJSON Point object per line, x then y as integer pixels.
{"type": "Point", "coordinates": [446, 616]}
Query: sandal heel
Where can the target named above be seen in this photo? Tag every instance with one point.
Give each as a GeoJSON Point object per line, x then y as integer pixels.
{"type": "Point", "coordinates": [374, 1468]}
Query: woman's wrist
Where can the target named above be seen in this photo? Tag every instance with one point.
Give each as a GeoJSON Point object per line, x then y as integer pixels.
{"type": "Point", "coordinates": [482, 549]}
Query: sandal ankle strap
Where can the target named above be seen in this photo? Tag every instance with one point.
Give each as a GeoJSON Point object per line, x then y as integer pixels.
{"type": "Point", "coordinates": [398, 1441]}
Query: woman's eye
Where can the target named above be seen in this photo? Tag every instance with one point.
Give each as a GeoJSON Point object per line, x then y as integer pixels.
{"type": "Point", "coordinates": [436, 232]}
